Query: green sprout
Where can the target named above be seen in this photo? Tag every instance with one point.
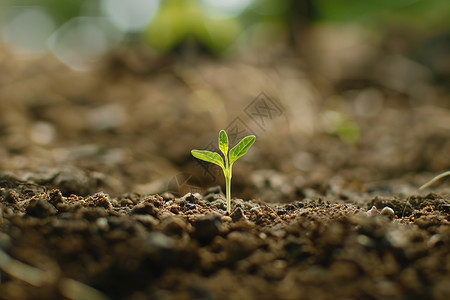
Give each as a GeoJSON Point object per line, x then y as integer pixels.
{"type": "Point", "coordinates": [226, 162]}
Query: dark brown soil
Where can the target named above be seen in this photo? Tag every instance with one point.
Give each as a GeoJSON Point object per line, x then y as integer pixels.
{"type": "Point", "coordinates": [100, 197]}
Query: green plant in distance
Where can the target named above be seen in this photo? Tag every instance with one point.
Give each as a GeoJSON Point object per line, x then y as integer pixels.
{"type": "Point", "coordinates": [229, 157]}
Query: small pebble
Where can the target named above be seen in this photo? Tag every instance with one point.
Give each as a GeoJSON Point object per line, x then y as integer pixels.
{"type": "Point", "coordinates": [102, 224]}
{"type": "Point", "coordinates": [373, 211]}
{"type": "Point", "coordinates": [389, 212]}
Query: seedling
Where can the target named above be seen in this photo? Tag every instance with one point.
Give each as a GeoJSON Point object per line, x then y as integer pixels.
{"type": "Point", "coordinates": [226, 161]}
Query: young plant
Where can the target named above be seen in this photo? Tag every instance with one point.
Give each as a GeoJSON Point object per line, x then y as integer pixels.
{"type": "Point", "coordinates": [229, 157]}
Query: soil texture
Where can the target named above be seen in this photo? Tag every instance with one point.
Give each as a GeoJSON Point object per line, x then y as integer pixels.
{"type": "Point", "coordinates": [101, 199]}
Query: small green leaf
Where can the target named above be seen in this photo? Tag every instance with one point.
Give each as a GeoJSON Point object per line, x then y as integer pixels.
{"type": "Point", "coordinates": [223, 143]}
{"type": "Point", "coordinates": [241, 148]}
{"type": "Point", "coordinates": [227, 161]}
{"type": "Point", "coordinates": [208, 156]}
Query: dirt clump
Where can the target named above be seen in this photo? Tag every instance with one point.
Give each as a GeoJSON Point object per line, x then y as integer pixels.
{"type": "Point", "coordinates": [287, 251]}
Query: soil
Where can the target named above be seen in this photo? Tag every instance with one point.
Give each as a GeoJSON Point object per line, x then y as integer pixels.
{"type": "Point", "coordinates": [100, 198]}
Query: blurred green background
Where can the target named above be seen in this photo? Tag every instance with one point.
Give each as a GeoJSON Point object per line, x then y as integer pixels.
{"type": "Point", "coordinates": [93, 27]}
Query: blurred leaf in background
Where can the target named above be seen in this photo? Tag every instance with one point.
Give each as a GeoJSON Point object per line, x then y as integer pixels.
{"type": "Point", "coordinates": [183, 20]}
{"type": "Point", "coordinates": [213, 26]}
{"type": "Point", "coordinates": [426, 14]}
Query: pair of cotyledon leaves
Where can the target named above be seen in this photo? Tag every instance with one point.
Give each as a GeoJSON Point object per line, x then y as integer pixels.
{"type": "Point", "coordinates": [236, 152]}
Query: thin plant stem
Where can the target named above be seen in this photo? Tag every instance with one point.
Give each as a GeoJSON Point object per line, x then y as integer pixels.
{"type": "Point", "coordinates": [436, 178]}
{"type": "Point", "coordinates": [227, 173]}
{"type": "Point", "coordinates": [228, 191]}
